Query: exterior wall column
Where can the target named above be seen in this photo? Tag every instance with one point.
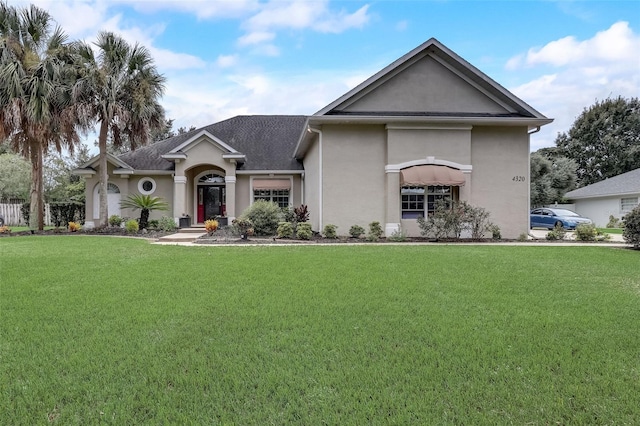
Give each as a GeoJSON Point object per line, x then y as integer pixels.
{"type": "Point", "coordinates": [392, 217]}
{"type": "Point", "coordinates": [179, 197]}
{"type": "Point", "coordinates": [465, 190]}
{"type": "Point", "coordinates": [230, 181]}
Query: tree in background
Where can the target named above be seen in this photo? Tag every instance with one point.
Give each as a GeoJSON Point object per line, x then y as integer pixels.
{"type": "Point", "coordinates": [15, 175]}
{"type": "Point", "coordinates": [119, 89]}
{"type": "Point", "coordinates": [36, 111]}
{"type": "Point", "coordinates": [604, 140]}
{"type": "Point", "coordinates": [552, 176]}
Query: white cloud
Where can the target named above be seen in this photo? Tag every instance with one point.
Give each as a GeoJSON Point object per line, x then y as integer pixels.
{"type": "Point", "coordinates": [226, 61]}
{"type": "Point", "coordinates": [577, 73]}
{"type": "Point", "coordinates": [256, 37]}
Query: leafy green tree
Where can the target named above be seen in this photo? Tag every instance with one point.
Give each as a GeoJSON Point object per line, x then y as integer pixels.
{"type": "Point", "coordinates": [146, 204]}
{"type": "Point", "coordinates": [60, 184]}
{"type": "Point", "coordinates": [119, 89]}
{"type": "Point", "coordinates": [552, 176]}
{"type": "Point", "coordinates": [15, 175]}
{"type": "Point", "coordinates": [604, 140]}
{"type": "Point", "coordinates": [35, 92]}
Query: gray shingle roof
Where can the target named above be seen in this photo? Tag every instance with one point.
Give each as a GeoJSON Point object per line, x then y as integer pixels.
{"type": "Point", "coordinates": [625, 183]}
{"type": "Point", "coordinates": [267, 141]}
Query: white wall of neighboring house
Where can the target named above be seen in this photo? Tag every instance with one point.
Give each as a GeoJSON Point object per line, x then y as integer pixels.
{"type": "Point", "coordinates": [599, 209]}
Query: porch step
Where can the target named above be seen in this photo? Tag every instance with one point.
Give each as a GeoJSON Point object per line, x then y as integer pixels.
{"type": "Point", "coordinates": [181, 237]}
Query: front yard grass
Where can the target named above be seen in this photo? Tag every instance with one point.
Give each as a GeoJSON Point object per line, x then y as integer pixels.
{"type": "Point", "coordinates": [114, 330]}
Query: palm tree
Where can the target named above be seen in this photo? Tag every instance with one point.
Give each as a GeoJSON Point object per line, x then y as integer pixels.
{"type": "Point", "coordinates": [119, 89]}
{"type": "Point", "coordinates": [35, 92]}
{"type": "Point", "coordinates": [146, 204]}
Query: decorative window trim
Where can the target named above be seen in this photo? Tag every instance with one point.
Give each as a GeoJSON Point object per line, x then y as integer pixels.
{"type": "Point", "coordinates": [141, 186]}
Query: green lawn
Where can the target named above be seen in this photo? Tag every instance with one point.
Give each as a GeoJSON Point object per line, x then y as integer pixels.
{"type": "Point", "coordinates": [115, 330]}
{"type": "Point", "coordinates": [611, 230]}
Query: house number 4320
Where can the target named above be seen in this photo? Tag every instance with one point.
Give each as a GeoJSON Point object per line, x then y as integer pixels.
{"type": "Point", "coordinates": [518, 179]}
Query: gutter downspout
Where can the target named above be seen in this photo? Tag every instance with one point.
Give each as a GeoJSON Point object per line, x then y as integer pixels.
{"type": "Point", "coordinates": [319, 132]}
{"type": "Point", "coordinates": [536, 130]}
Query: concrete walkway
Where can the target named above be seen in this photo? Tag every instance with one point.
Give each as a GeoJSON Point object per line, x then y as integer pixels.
{"type": "Point", "coordinates": [537, 237]}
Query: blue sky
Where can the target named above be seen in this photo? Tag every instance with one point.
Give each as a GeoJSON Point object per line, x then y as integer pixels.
{"type": "Point", "coordinates": [228, 57]}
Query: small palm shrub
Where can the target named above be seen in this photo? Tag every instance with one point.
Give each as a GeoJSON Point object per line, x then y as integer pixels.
{"type": "Point", "coordinates": [146, 204]}
{"type": "Point", "coordinates": [115, 220]}
{"type": "Point", "coordinates": [356, 231]}
{"type": "Point", "coordinates": [74, 226]}
{"type": "Point", "coordinates": [167, 224]}
{"type": "Point", "coordinates": [375, 231]}
{"type": "Point", "coordinates": [330, 231]}
{"type": "Point", "coordinates": [304, 231]}
{"type": "Point", "coordinates": [131, 226]}
{"type": "Point", "coordinates": [211, 225]}
{"type": "Point", "coordinates": [265, 217]}
{"type": "Point", "coordinates": [631, 232]}
{"type": "Point", "coordinates": [285, 230]}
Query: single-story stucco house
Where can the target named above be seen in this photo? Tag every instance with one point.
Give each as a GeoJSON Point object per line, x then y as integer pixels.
{"type": "Point", "coordinates": [615, 196]}
{"type": "Point", "coordinates": [428, 126]}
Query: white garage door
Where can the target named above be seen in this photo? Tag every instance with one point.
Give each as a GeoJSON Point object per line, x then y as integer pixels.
{"type": "Point", "coordinates": [113, 200]}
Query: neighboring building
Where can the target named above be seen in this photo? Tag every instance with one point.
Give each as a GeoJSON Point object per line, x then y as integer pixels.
{"type": "Point", "coordinates": [615, 196]}
{"type": "Point", "coordinates": [429, 126]}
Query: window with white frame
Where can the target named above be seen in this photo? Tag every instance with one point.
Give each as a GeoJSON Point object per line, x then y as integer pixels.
{"type": "Point", "coordinates": [628, 204]}
{"type": "Point", "coordinates": [278, 196]}
{"type": "Point", "coordinates": [414, 204]}
{"type": "Point", "coordinates": [146, 186]}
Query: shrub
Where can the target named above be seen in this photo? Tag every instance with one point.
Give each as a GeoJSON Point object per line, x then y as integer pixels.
{"type": "Point", "coordinates": [557, 233]}
{"type": "Point", "coordinates": [65, 212]}
{"type": "Point", "coordinates": [356, 231]}
{"type": "Point", "coordinates": [477, 220]}
{"type": "Point", "coordinates": [115, 220]}
{"type": "Point", "coordinates": [146, 204]}
{"type": "Point", "coordinates": [167, 224]}
{"type": "Point", "coordinates": [330, 231]}
{"type": "Point", "coordinates": [153, 224]}
{"type": "Point", "coordinates": [304, 231]}
{"type": "Point", "coordinates": [131, 226]}
{"type": "Point", "coordinates": [211, 225]}
{"type": "Point", "coordinates": [523, 237]}
{"type": "Point", "coordinates": [74, 226]}
{"type": "Point", "coordinates": [288, 214]}
{"type": "Point", "coordinates": [302, 213]}
{"type": "Point", "coordinates": [265, 217]}
{"type": "Point", "coordinates": [631, 232]}
{"type": "Point", "coordinates": [375, 231]}
{"type": "Point", "coordinates": [285, 230]}
{"type": "Point", "coordinates": [4, 229]}
{"type": "Point", "coordinates": [586, 232]}
{"type": "Point", "coordinates": [243, 226]}
{"type": "Point", "coordinates": [614, 222]}
{"type": "Point", "coordinates": [397, 236]}
{"type": "Point", "coordinates": [495, 231]}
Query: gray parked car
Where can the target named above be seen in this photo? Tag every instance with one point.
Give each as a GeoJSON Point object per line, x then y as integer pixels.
{"type": "Point", "coordinates": [550, 218]}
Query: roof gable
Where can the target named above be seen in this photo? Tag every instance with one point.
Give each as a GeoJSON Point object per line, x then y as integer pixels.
{"type": "Point", "coordinates": [267, 142]}
{"type": "Point", "coordinates": [430, 80]}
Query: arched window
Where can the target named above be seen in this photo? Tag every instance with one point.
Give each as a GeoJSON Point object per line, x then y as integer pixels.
{"type": "Point", "coordinates": [211, 178]}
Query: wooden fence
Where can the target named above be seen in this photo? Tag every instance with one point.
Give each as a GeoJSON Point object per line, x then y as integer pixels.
{"type": "Point", "coordinates": [13, 216]}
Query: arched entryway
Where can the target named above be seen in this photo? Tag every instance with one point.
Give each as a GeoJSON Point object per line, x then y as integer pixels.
{"type": "Point", "coordinates": [210, 196]}
{"type": "Point", "coordinates": [113, 200]}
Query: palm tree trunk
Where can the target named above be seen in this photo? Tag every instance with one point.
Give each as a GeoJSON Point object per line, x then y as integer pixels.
{"type": "Point", "coordinates": [103, 178]}
{"type": "Point", "coordinates": [144, 218]}
{"type": "Point", "coordinates": [36, 210]}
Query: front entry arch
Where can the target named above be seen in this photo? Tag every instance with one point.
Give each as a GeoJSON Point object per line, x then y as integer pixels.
{"type": "Point", "coordinates": [210, 197]}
